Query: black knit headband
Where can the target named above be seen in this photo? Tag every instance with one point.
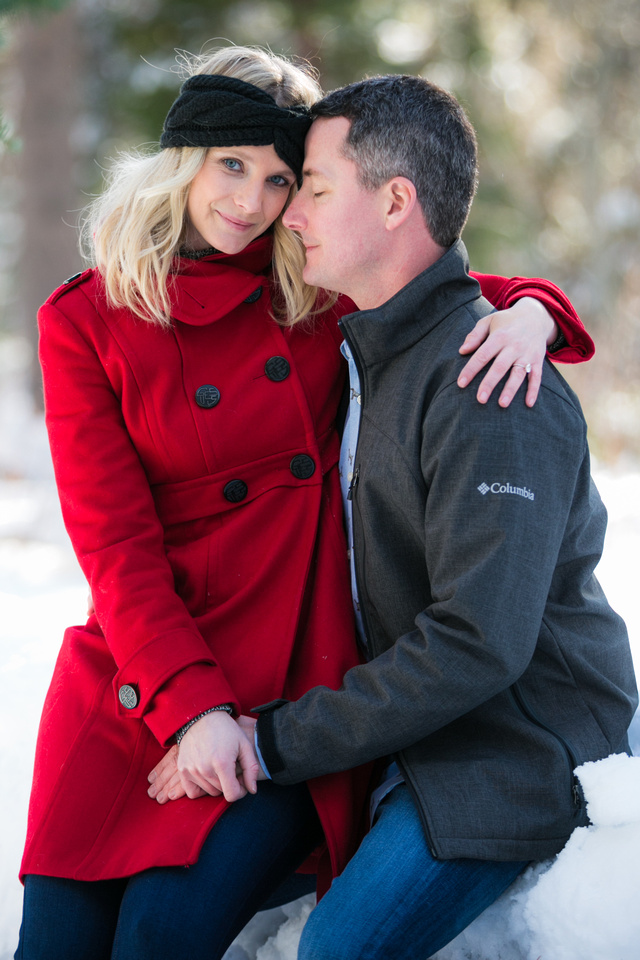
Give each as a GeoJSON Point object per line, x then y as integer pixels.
{"type": "Point", "coordinates": [218, 111]}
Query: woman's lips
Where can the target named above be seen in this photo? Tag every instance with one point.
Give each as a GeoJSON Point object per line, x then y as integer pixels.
{"type": "Point", "coordinates": [236, 224]}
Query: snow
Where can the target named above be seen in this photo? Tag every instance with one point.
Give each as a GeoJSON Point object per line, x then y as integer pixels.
{"type": "Point", "coordinates": [593, 877]}
{"type": "Point", "coordinates": [580, 906]}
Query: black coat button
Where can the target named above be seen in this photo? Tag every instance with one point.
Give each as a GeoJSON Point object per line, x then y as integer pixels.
{"type": "Point", "coordinates": [235, 491]}
{"type": "Point", "coordinates": [254, 296]}
{"type": "Point", "coordinates": [207, 396]}
{"type": "Point", "coordinates": [302, 466]}
{"type": "Point", "coordinates": [71, 279]}
{"type": "Point", "coordinates": [277, 369]}
{"type": "Point", "coordinates": [128, 696]}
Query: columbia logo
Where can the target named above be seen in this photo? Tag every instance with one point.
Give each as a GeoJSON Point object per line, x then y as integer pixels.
{"type": "Point", "coordinates": [507, 488]}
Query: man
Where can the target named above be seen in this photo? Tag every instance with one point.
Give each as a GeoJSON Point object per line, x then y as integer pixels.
{"type": "Point", "coordinates": [495, 664]}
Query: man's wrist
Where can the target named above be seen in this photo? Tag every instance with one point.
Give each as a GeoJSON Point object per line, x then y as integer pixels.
{"type": "Point", "coordinates": [261, 760]}
{"type": "Point", "coordinates": [265, 740]}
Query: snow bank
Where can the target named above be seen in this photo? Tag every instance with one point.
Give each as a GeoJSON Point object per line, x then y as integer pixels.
{"type": "Point", "coordinates": [586, 906]}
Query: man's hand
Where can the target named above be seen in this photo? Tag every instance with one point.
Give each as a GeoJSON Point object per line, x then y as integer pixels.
{"type": "Point", "coordinates": [166, 783]}
{"type": "Point", "coordinates": [248, 725]}
{"type": "Point", "coordinates": [513, 339]}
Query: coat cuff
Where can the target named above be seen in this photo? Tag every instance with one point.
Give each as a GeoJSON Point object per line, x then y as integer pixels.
{"type": "Point", "coordinates": [152, 665]}
{"type": "Point", "coordinates": [186, 695]}
{"type": "Point", "coordinates": [579, 345]}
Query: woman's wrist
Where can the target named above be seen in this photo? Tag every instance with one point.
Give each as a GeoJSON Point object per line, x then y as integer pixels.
{"type": "Point", "coordinates": [559, 342]}
{"type": "Point", "coordinates": [227, 707]}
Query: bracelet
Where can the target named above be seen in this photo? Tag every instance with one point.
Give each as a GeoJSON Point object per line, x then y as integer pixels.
{"type": "Point", "coordinates": [559, 342]}
{"type": "Point", "coordinates": [222, 706]}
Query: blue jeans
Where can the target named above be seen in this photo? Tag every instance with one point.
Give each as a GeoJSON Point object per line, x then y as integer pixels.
{"type": "Point", "coordinates": [394, 901]}
{"type": "Point", "coordinates": [179, 913]}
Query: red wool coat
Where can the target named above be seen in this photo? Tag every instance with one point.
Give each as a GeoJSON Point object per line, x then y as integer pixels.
{"type": "Point", "coordinates": [197, 471]}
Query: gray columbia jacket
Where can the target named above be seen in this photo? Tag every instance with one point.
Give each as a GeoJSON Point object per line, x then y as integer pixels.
{"type": "Point", "coordinates": [496, 664]}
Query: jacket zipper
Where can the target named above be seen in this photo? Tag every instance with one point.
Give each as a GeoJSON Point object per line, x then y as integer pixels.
{"type": "Point", "coordinates": [352, 489]}
{"type": "Point", "coordinates": [350, 496]}
{"type": "Point", "coordinates": [354, 482]}
{"type": "Point", "coordinates": [419, 807]}
{"type": "Point", "coordinates": [523, 707]}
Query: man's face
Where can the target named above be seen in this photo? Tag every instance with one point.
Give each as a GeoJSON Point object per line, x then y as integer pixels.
{"type": "Point", "coordinates": [341, 223]}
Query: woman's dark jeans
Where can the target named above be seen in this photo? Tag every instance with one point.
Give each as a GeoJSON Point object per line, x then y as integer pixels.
{"type": "Point", "coordinates": [178, 913]}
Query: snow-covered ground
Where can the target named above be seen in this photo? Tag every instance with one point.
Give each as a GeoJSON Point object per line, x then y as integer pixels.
{"type": "Point", "coordinates": [583, 906]}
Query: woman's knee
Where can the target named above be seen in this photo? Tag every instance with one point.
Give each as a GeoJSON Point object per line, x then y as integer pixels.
{"type": "Point", "coordinates": [68, 918]}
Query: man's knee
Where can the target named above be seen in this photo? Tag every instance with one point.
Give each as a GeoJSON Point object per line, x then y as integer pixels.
{"type": "Point", "coordinates": [324, 940]}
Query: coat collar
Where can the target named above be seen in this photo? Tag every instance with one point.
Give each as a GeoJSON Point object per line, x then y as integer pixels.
{"type": "Point", "coordinates": [205, 290]}
{"type": "Point", "coordinates": [415, 310]}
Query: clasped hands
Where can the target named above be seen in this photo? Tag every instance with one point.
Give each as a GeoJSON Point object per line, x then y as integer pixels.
{"type": "Point", "coordinates": [216, 757]}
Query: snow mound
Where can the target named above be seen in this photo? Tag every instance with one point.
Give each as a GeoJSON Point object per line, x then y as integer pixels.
{"type": "Point", "coordinates": [285, 942]}
{"type": "Point", "coordinates": [585, 906]}
{"type": "Point", "coordinates": [612, 790]}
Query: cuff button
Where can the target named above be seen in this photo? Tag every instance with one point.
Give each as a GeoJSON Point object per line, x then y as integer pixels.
{"type": "Point", "coordinates": [128, 696]}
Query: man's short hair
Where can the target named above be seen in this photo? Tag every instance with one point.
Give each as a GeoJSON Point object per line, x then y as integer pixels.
{"type": "Point", "coordinates": [406, 126]}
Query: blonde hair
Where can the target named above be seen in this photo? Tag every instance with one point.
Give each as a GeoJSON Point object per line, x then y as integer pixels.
{"type": "Point", "coordinates": [134, 230]}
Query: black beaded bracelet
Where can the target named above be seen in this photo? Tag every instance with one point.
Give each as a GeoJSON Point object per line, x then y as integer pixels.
{"type": "Point", "coordinates": [559, 342]}
{"type": "Point", "coordinates": [222, 706]}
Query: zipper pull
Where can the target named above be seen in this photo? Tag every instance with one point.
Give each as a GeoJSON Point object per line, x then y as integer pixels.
{"type": "Point", "coordinates": [577, 794]}
{"type": "Point", "coordinates": [353, 484]}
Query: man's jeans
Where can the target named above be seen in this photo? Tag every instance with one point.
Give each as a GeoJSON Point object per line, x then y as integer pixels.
{"type": "Point", "coordinates": [179, 913]}
{"type": "Point", "coordinates": [394, 901]}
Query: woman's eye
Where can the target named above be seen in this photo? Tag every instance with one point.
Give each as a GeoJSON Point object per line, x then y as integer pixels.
{"type": "Point", "coordinates": [320, 193]}
{"type": "Point", "coordinates": [279, 181]}
{"type": "Point", "coordinates": [232, 164]}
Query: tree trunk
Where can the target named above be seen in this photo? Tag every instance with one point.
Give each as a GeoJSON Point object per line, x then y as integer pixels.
{"type": "Point", "coordinates": [48, 58]}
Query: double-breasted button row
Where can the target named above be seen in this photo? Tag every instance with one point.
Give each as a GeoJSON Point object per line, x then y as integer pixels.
{"type": "Point", "coordinates": [276, 368]}
{"type": "Point", "coordinates": [302, 467]}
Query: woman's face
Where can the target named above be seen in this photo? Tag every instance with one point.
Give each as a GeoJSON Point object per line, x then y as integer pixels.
{"type": "Point", "coordinates": [236, 196]}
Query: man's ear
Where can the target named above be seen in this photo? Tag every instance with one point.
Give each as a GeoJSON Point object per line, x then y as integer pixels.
{"type": "Point", "coordinates": [401, 200]}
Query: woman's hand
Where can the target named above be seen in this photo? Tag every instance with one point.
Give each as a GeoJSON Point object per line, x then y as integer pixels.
{"type": "Point", "coordinates": [514, 339]}
{"type": "Point", "coordinates": [215, 757]}
{"type": "Point", "coordinates": [209, 754]}
{"type": "Point", "coordinates": [167, 782]}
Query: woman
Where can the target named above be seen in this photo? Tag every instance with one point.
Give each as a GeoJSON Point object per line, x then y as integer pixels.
{"type": "Point", "coordinates": [195, 448]}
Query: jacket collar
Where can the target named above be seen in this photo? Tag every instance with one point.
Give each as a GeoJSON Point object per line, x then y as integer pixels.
{"type": "Point", "coordinates": [205, 290]}
{"type": "Point", "coordinates": [415, 310]}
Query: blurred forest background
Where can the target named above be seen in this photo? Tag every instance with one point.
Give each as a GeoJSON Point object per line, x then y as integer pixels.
{"type": "Point", "coordinates": [552, 89]}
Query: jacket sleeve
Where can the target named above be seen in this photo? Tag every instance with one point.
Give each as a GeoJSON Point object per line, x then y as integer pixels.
{"type": "Point", "coordinates": [489, 564]}
{"type": "Point", "coordinates": [503, 292]}
{"type": "Point", "coordinates": [111, 519]}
